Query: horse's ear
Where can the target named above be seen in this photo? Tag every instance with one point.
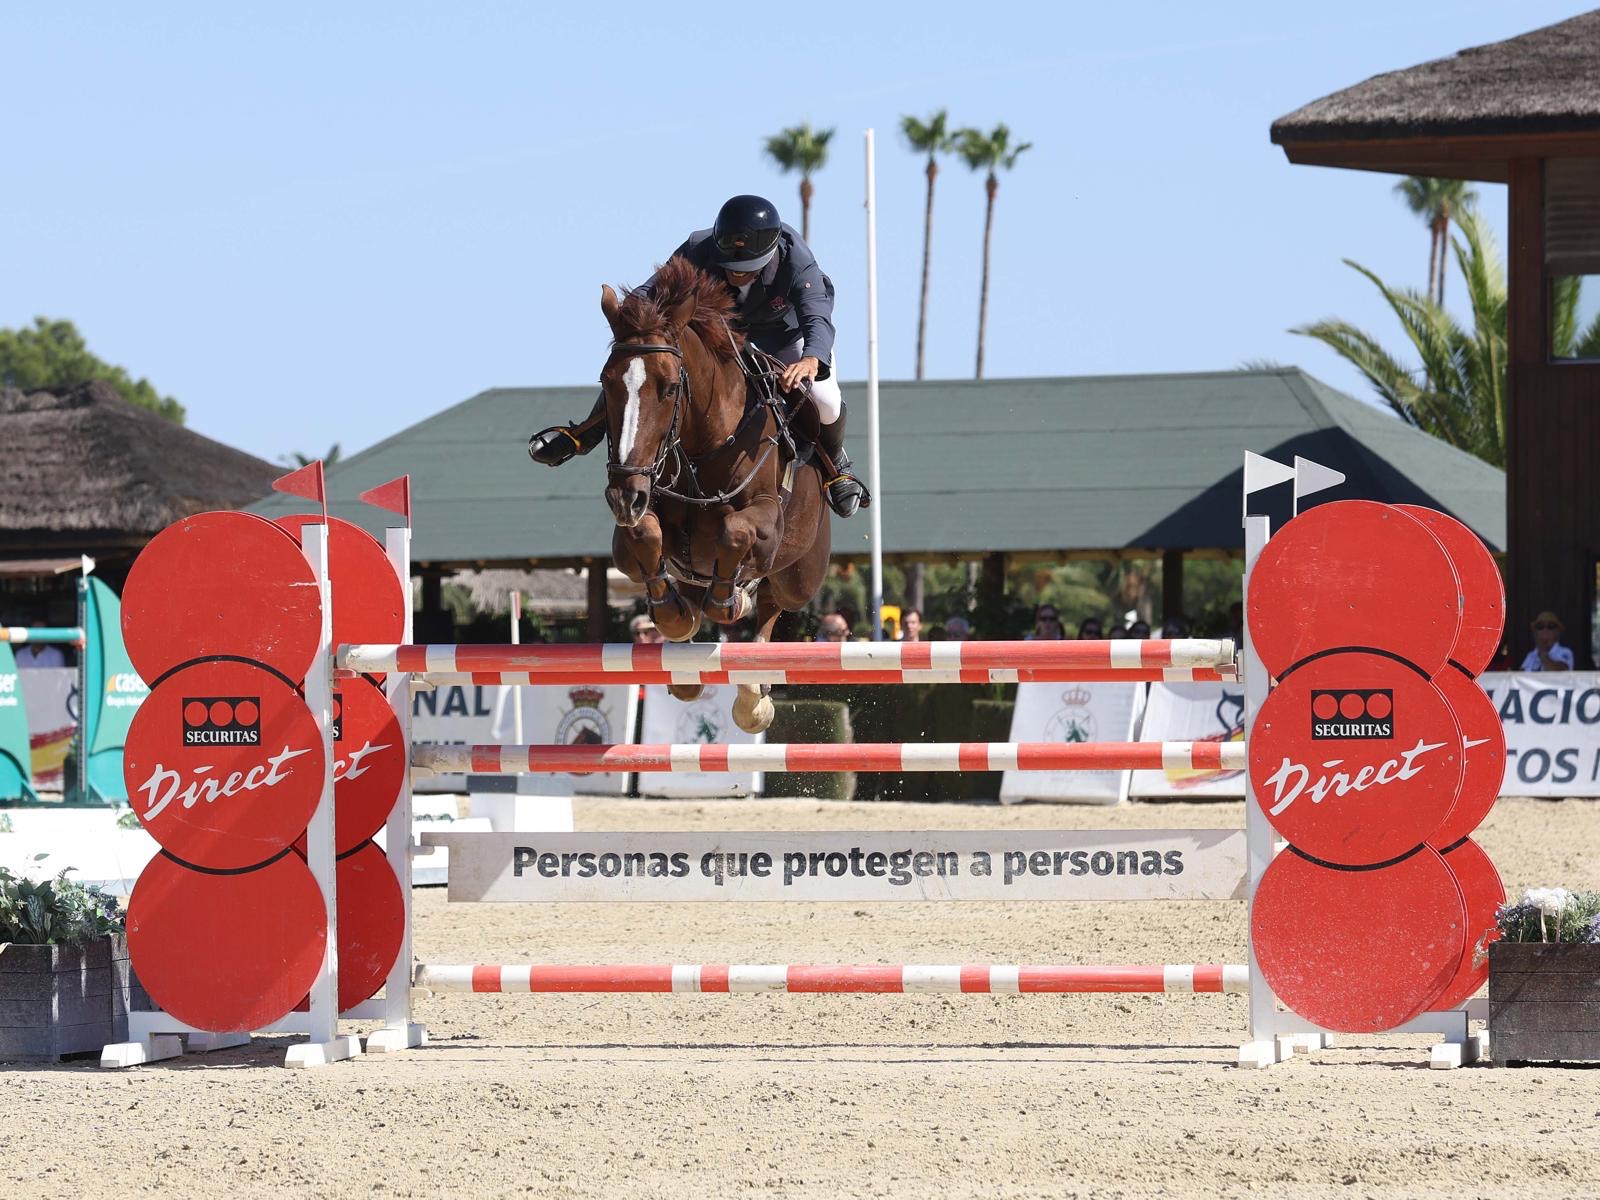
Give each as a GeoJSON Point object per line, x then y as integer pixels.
{"type": "Point", "coordinates": [610, 306]}
{"type": "Point", "coordinates": [683, 313]}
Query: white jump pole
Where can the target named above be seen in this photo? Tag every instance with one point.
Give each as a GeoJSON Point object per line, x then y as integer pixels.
{"type": "Point", "coordinates": [875, 601]}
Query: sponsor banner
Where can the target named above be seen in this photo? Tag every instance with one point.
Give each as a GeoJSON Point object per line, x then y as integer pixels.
{"type": "Point", "coordinates": [459, 714]}
{"type": "Point", "coordinates": [1077, 712]}
{"type": "Point", "coordinates": [1100, 865]}
{"type": "Point", "coordinates": [707, 721]}
{"type": "Point", "coordinates": [112, 688]}
{"type": "Point", "coordinates": [49, 697]}
{"type": "Point", "coordinates": [585, 714]}
{"type": "Point", "coordinates": [1552, 724]}
{"type": "Point", "coordinates": [1192, 712]}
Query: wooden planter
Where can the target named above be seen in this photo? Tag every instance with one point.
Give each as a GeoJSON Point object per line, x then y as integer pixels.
{"type": "Point", "coordinates": [1544, 1002]}
{"type": "Point", "coordinates": [60, 1000]}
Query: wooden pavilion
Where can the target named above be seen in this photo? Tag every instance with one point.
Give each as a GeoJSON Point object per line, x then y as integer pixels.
{"type": "Point", "coordinates": [1524, 112]}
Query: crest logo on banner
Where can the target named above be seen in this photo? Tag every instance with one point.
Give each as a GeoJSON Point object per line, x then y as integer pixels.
{"type": "Point", "coordinates": [1072, 722]}
{"type": "Point", "coordinates": [702, 721]}
{"type": "Point", "coordinates": [585, 723]}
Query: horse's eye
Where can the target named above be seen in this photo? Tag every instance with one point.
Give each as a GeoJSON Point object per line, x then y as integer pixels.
{"type": "Point", "coordinates": [669, 392]}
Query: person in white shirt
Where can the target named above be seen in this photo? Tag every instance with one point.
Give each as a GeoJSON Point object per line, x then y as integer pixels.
{"type": "Point", "coordinates": [39, 654]}
{"type": "Point", "coordinates": [1548, 654]}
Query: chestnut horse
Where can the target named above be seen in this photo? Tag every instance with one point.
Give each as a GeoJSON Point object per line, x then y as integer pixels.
{"type": "Point", "coordinates": [708, 507]}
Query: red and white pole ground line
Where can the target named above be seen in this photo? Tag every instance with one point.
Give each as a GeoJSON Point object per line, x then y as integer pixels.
{"type": "Point", "coordinates": [809, 676]}
{"type": "Point", "coordinates": [733, 978]}
{"type": "Point", "coordinates": [1125, 654]}
{"type": "Point", "coordinates": [864, 756]}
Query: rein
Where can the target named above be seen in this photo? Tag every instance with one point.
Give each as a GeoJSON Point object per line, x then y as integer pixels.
{"type": "Point", "coordinates": [672, 444]}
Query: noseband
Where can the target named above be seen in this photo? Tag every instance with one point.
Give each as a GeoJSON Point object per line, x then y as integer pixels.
{"type": "Point", "coordinates": [670, 442]}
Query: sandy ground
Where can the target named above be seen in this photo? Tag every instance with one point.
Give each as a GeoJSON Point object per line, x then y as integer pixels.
{"type": "Point", "coordinates": [914, 1096]}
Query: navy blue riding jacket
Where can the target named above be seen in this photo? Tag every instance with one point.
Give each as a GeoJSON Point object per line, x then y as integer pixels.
{"type": "Point", "coordinates": [791, 299]}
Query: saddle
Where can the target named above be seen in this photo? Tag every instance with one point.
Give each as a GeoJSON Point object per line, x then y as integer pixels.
{"type": "Point", "coordinates": [798, 424]}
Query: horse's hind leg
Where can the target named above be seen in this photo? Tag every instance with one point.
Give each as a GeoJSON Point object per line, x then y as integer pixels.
{"type": "Point", "coordinates": [752, 707]}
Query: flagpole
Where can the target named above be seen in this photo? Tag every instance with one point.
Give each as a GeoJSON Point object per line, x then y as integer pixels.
{"type": "Point", "coordinates": [875, 603]}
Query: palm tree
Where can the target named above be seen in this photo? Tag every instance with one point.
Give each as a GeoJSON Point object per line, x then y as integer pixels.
{"type": "Point", "coordinates": [804, 149]}
{"type": "Point", "coordinates": [298, 458]}
{"type": "Point", "coordinates": [1437, 202]}
{"type": "Point", "coordinates": [1459, 393]}
{"type": "Point", "coordinates": [932, 137]}
{"type": "Point", "coordinates": [988, 152]}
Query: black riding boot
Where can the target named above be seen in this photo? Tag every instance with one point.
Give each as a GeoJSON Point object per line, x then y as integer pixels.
{"type": "Point", "coordinates": [555, 445]}
{"type": "Point", "coordinates": [845, 492]}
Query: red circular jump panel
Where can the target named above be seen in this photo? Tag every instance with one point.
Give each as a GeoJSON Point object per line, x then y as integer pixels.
{"type": "Point", "coordinates": [1483, 591]}
{"type": "Point", "coordinates": [1483, 743]}
{"type": "Point", "coordinates": [1358, 951]}
{"type": "Point", "coordinates": [371, 921]}
{"type": "Point", "coordinates": [369, 605]}
{"type": "Point", "coordinates": [1355, 759]}
{"type": "Point", "coordinates": [369, 762]}
{"type": "Point", "coordinates": [1357, 574]}
{"type": "Point", "coordinates": [221, 583]}
{"type": "Point", "coordinates": [229, 953]}
{"type": "Point", "coordinates": [1484, 894]}
{"type": "Point", "coordinates": [223, 764]}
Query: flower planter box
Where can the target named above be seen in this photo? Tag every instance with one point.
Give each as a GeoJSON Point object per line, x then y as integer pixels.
{"type": "Point", "coordinates": [60, 1000]}
{"type": "Point", "coordinates": [1544, 1002]}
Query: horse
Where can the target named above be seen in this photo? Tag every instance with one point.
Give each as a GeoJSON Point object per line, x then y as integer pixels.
{"type": "Point", "coordinates": [710, 505]}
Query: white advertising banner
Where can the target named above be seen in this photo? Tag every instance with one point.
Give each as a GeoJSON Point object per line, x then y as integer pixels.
{"type": "Point", "coordinates": [1072, 864]}
{"type": "Point", "coordinates": [1552, 724]}
{"type": "Point", "coordinates": [1192, 712]}
{"type": "Point", "coordinates": [707, 720]}
{"type": "Point", "coordinates": [456, 715]}
{"type": "Point", "coordinates": [1072, 712]}
{"type": "Point", "coordinates": [582, 714]}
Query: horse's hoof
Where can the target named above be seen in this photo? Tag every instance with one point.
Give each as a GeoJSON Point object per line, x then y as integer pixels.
{"type": "Point", "coordinates": [677, 621]}
{"type": "Point", "coordinates": [753, 714]}
{"type": "Point", "coordinates": [685, 691]}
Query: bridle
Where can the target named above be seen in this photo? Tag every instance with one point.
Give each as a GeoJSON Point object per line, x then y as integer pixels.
{"type": "Point", "coordinates": [670, 442]}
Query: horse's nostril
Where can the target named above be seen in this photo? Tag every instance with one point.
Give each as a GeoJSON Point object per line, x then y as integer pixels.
{"type": "Point", "coordinates": [637, 502]}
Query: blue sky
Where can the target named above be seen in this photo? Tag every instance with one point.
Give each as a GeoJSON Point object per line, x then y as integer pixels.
{"type": "Point", "coordinates": [321, 223]}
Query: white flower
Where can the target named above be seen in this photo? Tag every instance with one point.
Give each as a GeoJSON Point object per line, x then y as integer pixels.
{"type": "Point", "coordinates": [1549, 901]}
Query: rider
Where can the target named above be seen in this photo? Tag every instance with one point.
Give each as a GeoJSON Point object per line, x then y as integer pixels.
{"type": "Point", "coordinates": [785, 303]}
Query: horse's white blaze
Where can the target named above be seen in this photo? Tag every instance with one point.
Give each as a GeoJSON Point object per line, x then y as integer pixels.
{"type": "Point", "coordinates": [633, 380]}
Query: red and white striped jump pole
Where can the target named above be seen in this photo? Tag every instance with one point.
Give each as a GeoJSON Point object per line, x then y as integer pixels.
{"type": "Point", "coordinates": [733, 978]}
{"type": "Point", "coordinates": [958, 675]}
{"type": "Point", "coordinates": [847, 658]}
{"type": "Point", "coordinates": [864, 756]}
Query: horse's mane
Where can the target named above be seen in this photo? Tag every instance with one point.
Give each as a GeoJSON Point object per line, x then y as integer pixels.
{"type": "Point", "coordinates": [643, 317]}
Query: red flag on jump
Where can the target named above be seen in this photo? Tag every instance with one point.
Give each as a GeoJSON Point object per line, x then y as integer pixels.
{"type": "Point", "coordinates": [394, 496]}
{"type": "Point", "coordinates": [305, 482]}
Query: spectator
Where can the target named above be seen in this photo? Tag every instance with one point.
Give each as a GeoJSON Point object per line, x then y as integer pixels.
{"type": "Point", "coordinates": [1548, 654]}
{"type": "Point", "coordinates": [643, 631]}
{"type": "Point", "coordinates": [957, 629]}
{"type": "Point", "coordinates": [1139, 630]}
{"type": "Point", "coordinates": [1174, 627]}
{"type": "Point", "coordinates": [1046, 624]}
{"type": "Point", "coordinates": [1117, 632]}
{"type": "Point", "coordinates": [39, 654]}
{"type": "Point", "coordinates": [911, 625]}
{"type": "Point", "coordinates": [1089, 629]}
{"type": "Point", "coordinates": [834, 628]}
{"type": "Point", "coordinates": [851, 617]}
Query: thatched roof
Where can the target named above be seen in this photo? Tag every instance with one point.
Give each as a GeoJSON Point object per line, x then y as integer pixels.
{"type": "Point", "coordinates": [87, 470]}
{"type": "Point", "coordinates": [1542, 82]}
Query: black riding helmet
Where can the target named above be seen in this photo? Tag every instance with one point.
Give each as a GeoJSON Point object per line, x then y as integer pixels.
{"type": "Point", "coordinates": [746, 233]}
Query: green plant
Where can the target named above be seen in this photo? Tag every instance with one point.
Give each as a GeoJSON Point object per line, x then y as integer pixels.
{"type": "Point", "coordinates": [1551, 915]}
{"type": "Point", "coordinates": [54, 912]}
{"type": "Point", "coordinates": [128, 819]}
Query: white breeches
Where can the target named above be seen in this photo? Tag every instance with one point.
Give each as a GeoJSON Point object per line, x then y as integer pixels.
{"type": "Point", "coordinates": [825, 393]}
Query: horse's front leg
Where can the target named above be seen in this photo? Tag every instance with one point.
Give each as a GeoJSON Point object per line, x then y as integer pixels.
{"type": "Point", "coordinates": [752, 707]}
{"type": "Point", "coordinates": [746, 544]}
{"type": "Point", "coordinates": [638, 553]}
